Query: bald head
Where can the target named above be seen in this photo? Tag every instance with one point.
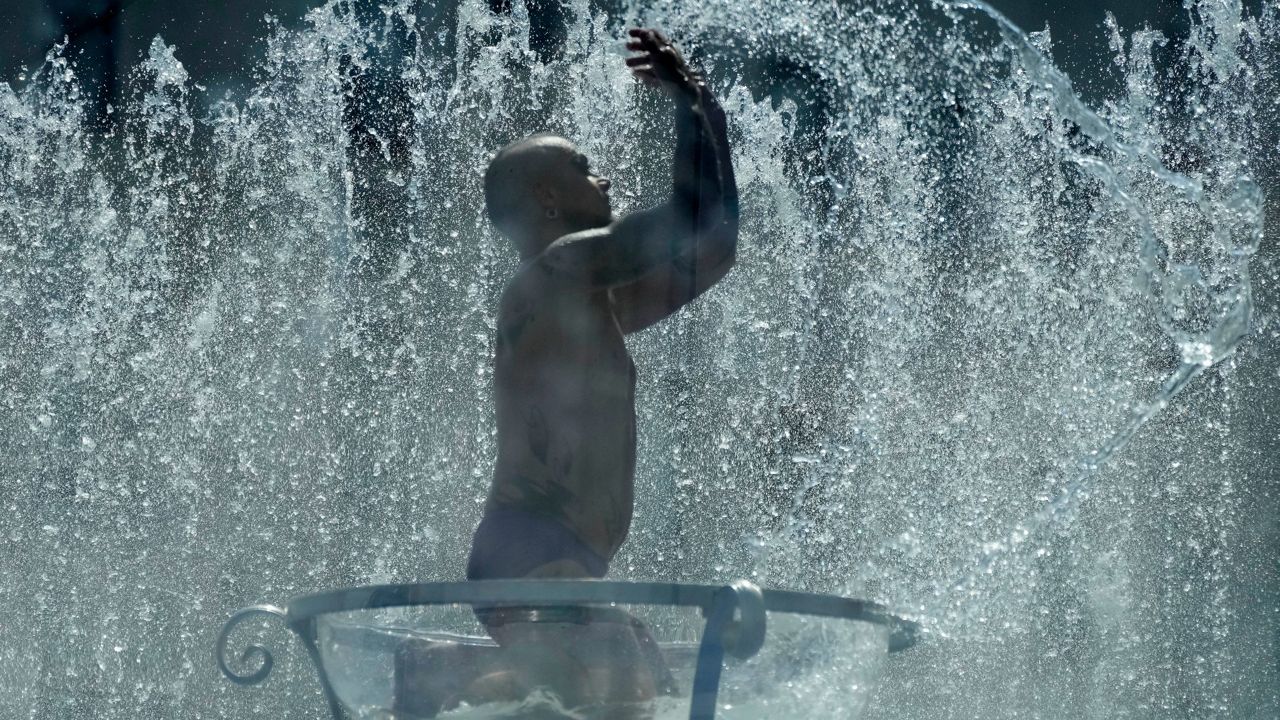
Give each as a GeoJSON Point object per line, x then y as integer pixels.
{"type": "Point", "coordinates": [542, 185]}
{"type": "Point", "coordinates": [510, 182]}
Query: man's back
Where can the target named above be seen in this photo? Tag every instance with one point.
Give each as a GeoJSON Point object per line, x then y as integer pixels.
{"type": "Point", "coordinates": [565, 396]}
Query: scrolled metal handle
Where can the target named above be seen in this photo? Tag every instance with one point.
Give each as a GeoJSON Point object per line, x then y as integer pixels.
{"type": "Point", "coordinates": [267, 661]}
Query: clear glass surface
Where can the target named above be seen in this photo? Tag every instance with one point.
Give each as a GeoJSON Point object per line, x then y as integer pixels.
{"type": "Point", "coordinates": [425, 662]}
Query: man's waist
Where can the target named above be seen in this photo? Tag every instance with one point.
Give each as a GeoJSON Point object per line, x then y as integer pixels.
{"type": "Point", "coordinates": [589, 530]}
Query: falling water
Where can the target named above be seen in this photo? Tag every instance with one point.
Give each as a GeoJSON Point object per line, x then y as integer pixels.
{"type": "Point", "coordinates": [989, 354]}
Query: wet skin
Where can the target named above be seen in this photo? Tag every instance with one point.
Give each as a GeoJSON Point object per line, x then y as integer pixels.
{"type": "Point", "coordinates": [564, 381]}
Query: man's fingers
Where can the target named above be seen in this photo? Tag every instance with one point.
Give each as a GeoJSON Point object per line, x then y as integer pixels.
{"type": "Point", "coordinates": [643, 39]}
{"type": "Point", "coordinates": [656, 56]}
{"type": "Point", "coordinates": [649, 35]}
{"type": "Point", "coordinates": [657, 61]}
{"type": "Point", "coordinates": [648, 38]}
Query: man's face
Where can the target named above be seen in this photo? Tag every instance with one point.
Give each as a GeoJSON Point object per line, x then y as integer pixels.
{"type": "Point", "coordinates": [581, 196]}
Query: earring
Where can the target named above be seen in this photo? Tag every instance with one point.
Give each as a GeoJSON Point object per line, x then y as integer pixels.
{"type": "Point", "coordinates": [552, 213]}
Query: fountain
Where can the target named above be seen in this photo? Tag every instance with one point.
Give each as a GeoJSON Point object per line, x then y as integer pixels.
{"type": "Point", "coordinates": [993, 357]}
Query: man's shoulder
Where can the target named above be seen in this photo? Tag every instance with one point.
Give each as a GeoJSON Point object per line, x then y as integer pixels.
{"type": "Point", "coordinates": [535, 282]}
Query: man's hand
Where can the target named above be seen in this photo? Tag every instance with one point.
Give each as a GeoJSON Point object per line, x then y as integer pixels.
{"type": "Point", "coordinates": [660, 64]}
{"type": "Point", "coordinates": [656, 261]}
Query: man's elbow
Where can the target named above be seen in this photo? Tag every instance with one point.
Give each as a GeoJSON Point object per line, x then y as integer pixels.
{"type": "Point", "coordinates": [721, 221]}
{"type": "Point", "coordinates": [724, 239]}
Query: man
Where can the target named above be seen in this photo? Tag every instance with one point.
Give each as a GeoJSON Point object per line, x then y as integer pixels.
{"type": "Point", "coordinates": [561, 501]}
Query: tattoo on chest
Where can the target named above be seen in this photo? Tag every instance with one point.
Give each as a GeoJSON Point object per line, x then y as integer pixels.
{"type": "Point", "coordinates": [549, 500]}
{"type": "Point", "coordinates": [538, 433]}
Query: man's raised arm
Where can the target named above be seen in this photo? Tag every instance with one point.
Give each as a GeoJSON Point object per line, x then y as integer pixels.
{"type": "Point", "coordinates": [700, 222]}
{"type": "Point", "coordinates": [704, 186]}
{"type": "Point", "coordinates": [704, 193]}
{"type": "Point", "coordinates": [658, 260]}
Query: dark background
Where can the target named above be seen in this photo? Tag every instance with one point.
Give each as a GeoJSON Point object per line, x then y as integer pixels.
{"type": "Point", "coordinates": [219, 42]}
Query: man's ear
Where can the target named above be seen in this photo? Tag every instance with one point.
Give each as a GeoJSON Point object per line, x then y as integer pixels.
{"type": "Point", "coordinates": [546, 195]}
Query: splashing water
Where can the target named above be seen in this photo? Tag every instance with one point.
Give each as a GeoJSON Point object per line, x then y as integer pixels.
{"type": "Point", "coordinates": [979, 358]}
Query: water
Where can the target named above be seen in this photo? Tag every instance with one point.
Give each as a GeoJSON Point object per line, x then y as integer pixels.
{"type": "Point", "coordinates": [990, 355]}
